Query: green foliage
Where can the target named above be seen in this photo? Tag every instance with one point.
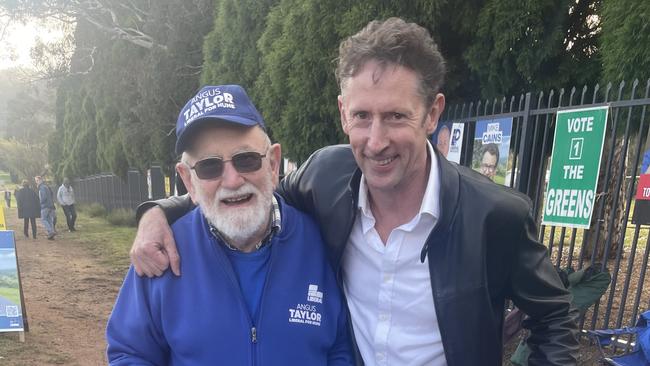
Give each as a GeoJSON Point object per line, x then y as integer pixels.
{"type": "Point", "coordinates": [121, 217]}
{"type": "Point", "coordinates": [532, 45]}
{"type": "Point", "coordinates": [118, 107]}
{"type": "Point", "coordinates": [21, 159]}
{"type": "Point", "coordinates": [230, 50]}
{"type": "Point", "coordinates": [297, 88]}
{"type": "Point", "coordinates": [29, 114]}
{"type": "Point", "coordinates": [626, 40]}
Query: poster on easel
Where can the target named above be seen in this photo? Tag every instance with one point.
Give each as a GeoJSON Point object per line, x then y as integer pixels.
{"type": "Point", "coordinates": [11, 309]}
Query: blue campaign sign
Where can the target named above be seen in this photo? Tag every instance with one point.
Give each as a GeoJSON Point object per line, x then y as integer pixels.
{"type": "Point", "coordinates": [11, 310]}
{"type": "Point", "coordinates": [491, 149]}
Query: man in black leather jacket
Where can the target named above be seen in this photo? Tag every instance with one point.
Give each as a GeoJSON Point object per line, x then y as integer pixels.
{"type": "Point", "coordinates": [427, 251]}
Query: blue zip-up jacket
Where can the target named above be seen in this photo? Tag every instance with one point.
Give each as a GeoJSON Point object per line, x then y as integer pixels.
{"type": "Point", "coordinates": [201, 318]}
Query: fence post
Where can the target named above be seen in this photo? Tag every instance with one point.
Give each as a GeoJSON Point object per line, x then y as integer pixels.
{"type": "Point", "coordinates": [525, 149]}
{"type": "Point", "coordinates": [157, 182]}
{"type": "Point", "coordinates": [133, 182]}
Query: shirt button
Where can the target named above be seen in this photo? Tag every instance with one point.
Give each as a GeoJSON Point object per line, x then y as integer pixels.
{"type": "Point", "coordinates": [387, 277]}
{"type": "Point", "coordinates": [383, 317]}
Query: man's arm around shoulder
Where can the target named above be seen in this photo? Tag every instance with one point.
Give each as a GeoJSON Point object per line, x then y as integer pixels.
{"type": "Point", "coordinates": [174, 207]}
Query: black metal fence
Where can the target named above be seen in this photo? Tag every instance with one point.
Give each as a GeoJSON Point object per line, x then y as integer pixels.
{"type": "Point", "coordinates": [613, 241]}
{"type": "Point", "coordinates": [114, 192]}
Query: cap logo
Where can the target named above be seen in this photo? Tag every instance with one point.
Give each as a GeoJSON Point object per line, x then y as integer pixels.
{"type": "Point", "coordinates": [207, 101]}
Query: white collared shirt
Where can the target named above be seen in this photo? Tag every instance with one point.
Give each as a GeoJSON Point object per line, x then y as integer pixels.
{"type": "Point", "coordinates": [388, 289]}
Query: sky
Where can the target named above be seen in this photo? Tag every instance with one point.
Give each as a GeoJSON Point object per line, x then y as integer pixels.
{"type": "Point", "coordinates": [19, 38]}
{"type": "Point", "coordinates": [7, 259]}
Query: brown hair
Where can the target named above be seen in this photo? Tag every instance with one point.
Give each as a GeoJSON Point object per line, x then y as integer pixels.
{"type": "Point", "coordinates": [394, 41]}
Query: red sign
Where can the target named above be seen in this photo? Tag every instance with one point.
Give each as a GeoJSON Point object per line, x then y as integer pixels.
{"type": "Point", "coordinates": [643, 188]}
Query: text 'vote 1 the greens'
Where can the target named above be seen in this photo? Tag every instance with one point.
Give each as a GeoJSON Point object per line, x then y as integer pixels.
{"type": "Point", "coordinates": [575, 162]}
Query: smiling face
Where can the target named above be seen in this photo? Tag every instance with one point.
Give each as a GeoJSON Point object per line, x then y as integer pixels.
{"type": "Point", "coordinates": [387, 123]}
{"type": "Point", "coordinates": [237, 204]}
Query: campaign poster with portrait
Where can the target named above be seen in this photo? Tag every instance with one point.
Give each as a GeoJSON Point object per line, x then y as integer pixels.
{"type": "Point", "coordinates": [11, 309]}
{"type": "Point", "coordinates": [448, 139]}
{"type": "Point", "coordinates": [492, 148]}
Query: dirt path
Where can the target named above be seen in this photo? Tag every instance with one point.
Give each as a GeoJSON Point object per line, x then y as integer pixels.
{"type": "Point", "coordinates": [68, 296]}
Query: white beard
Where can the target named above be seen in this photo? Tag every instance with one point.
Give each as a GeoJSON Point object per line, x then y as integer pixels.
{"type": "Point", "coordinates": [237, 225]}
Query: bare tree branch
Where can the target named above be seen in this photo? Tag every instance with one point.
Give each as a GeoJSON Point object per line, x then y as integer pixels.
{"type": "Point", "coordinates": [106, 15]}
{"type": "Point", "coordinates": [4, 29]}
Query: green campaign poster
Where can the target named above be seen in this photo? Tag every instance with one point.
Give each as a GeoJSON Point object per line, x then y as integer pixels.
{"type": "Point", "coordinates": [575, 162]}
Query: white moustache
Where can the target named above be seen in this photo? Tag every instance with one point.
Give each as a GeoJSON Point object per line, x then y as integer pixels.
{"type": "Point", "coordinates": [231, 194]}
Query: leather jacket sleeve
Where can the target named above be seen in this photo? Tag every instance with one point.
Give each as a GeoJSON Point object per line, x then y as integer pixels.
{"type": "Point", "coordinates": [537, 290]}
{"type": "Point", "coordinates": [174, 207]}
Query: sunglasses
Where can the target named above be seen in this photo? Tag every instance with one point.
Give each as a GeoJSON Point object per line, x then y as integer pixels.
{"type": "Point", "coordinates": [212, 168]}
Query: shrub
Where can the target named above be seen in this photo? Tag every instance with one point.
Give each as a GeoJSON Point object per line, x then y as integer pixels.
{"type": "Point", "coordinates": [95, 210]}
{"type": "Point", "coordinates": [121, 217]}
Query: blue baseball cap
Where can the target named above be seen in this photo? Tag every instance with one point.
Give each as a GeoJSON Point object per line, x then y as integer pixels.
{"type": "Point", "coordinates": [222, 103]}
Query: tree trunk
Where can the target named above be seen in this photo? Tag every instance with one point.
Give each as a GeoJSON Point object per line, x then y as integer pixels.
{"type": "Point", "coordinates": [607, 193]}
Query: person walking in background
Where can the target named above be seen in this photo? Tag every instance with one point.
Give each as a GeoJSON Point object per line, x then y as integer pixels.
{"type": "Point", "coordinates": [29, 207]}
{"type": "Point", "coordinates": [46, 198]}
{"type": "Point", "coordinates": [65, 196]}
{"type": "Point", "coordinates": [8, 198]}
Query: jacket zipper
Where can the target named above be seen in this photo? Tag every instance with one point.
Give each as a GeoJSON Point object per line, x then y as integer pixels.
{"type": "Point", "coordinates": [227, 267]}
{"type": "Point", "coordinates": [254, 329]}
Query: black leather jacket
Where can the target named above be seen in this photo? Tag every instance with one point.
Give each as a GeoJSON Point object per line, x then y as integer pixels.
{"type": "Point", "coordinates": [483, 250]}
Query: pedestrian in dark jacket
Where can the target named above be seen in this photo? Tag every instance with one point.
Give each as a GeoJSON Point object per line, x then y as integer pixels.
{"type": "Point", "coordinates": [8, 198]}
{"type": "Point", "coordinates": [29, 207]}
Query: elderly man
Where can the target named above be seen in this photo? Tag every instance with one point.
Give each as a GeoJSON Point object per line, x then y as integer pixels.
{"type": "Point", "coordinates": [426, 251]}
{"type": "Point", "coordinates": [257, 288]}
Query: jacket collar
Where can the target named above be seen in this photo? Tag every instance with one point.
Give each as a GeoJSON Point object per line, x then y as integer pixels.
{"type": "Point", "coordinates": [449, 192]}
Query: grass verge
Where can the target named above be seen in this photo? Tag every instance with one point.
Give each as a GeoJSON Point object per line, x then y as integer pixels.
{"type": "Point", "coordinates": [110, 244]}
